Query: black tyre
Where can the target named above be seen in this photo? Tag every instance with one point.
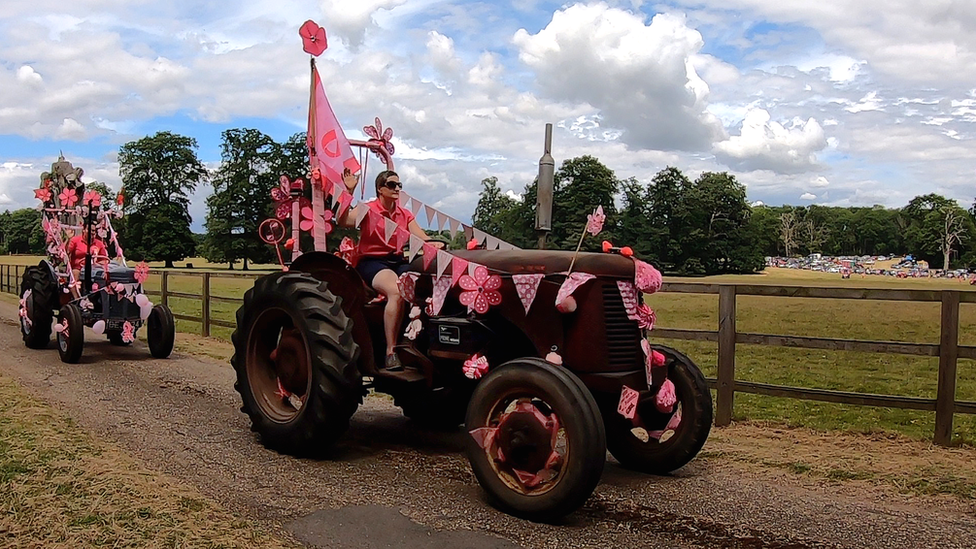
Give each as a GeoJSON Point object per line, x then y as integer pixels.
{"type": "Point", "coordinates": [37, 293]}
{"type": "Point", "coordinates": [160, 331]}
{"type": "Point", "coordinates": [115, 337]}
{"type": "Point", "coordinates": [658, 447]}
{"type": "Point", "coordinates": [295, 359]}
{"type": "Point", "coordinates": [545, 446]}
{"type": "Point", "coordinates": [71, 335]}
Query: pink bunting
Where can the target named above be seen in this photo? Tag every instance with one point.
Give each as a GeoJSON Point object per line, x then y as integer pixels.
{"type": "Point", "coordinates": [443, 260]}
{"type": "Point", "coordinates": [345, 199]}
{"type": "Point", "coordinates": [479, 236]}
{"type": "Point", "coordinates": [430, 252]}
{"type": "Point", "coordinates": [455, 226]}
{"type": "Point", "coordinates": [408, 286]}
{"type": "Point", "coordinates": [458, 267]}
{"type": "Point", "coordinates": [361, 213]}
{"type": "Point", "coordinates": [628, 293]}
{"type": "Point", "coordinates": [572, 282]}
{"type": "Point", "coordinates": [415, 206]}
{"type": "Point", "coordinates": [402, 236]}
{"type": "Point", "coordinates": [415, 244]}
{"type": "Point", "coordinates": [527, 285]}
{"type": "Point", "coordinates": [431, 213]}
{"type": "Point", "coordinates": [389, 229]}
{"type": "Point", "coordinates": [441, 286]}
{"type": "Point", "coordinates": [627, 406]}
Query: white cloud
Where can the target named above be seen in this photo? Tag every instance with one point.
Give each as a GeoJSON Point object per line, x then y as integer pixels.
{"type": "Point", "coordinates": [766, 144]}
{"type": "Point", "coordinates": [27, 75]}
{"type": "Point", "coordinates": [820, 182]}
{"type": "Point", "coordinates": [5, 200]}
{"type": "Point", "coordinates": [647, 85]}
{"type": "Point", "coordinates": [71, 129]}
{"type": "Point", "coordinates": [808, 196]}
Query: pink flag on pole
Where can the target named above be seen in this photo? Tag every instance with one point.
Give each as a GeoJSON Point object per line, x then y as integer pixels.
{"type": "Point", "coordinates": [328, 148]}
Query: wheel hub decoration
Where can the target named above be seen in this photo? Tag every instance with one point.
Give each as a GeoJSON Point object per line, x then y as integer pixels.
{"type": "Point", "coordinates": [24, 311]}
{"type": "Point", "coordinates": [523, 442]}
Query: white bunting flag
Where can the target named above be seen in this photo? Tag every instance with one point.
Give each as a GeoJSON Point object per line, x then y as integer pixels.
{"type": "Point", "coordinates": [360, 214]}
{"type": "Point", "coordinates": [443, 260]}
{"type": "Point", "coordinates": [480, 236]}
{"type": "Point", "coordinates": [455, 226]}
{"type": "Point", "coordinates": [431, 212]}
{"type": "Point", "coordinates": [492, 243]}
{"type": "Point", "coordinates": [415, 244]}
{"type": "Point", "coordinates": [390, 227]}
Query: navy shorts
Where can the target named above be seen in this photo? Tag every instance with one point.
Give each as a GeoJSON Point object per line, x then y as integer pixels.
{"type": "Point", "coordinates": [368, 266]}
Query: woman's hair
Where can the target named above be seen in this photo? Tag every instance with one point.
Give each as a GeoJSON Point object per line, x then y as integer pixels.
{"type": "Point", "coordinates": [382, 177]}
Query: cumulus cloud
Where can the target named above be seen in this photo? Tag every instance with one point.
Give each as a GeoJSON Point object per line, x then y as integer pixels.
{"type": "Point", "coordinates": [70, 129]}
{"type": "Point", "coordinates": [5, 200]}
{"type": "Point", "coordinates": [808, 196]}
{"type": "Point", "coordinates": [764, 144]}
{"type": "Point", "coordinates": [640, 77]}
{"type": "Point", "coordinates": [27, 75]}
{"type": "Point", "coordinates": [351, 20]}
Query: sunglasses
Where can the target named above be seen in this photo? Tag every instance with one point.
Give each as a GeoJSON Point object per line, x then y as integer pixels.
{"type": "Point", "coordinates": [393, 185]}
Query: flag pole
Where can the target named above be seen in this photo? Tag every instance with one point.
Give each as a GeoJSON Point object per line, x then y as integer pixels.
{"type": "Point", "coordinates": [318, 191]}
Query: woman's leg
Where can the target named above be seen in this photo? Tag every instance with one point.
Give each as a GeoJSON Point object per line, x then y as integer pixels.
{"type": "Point", "coordinates": [385, 282]}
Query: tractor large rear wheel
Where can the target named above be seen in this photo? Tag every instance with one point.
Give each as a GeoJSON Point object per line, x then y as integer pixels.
{"type": "Point", "coordinates": [37, 294]}
{"type": "Point", "coordinates": [295, 359]}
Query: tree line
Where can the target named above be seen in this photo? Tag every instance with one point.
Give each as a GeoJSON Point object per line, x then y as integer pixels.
{"type": "Point", "coordinates": [689, 226]}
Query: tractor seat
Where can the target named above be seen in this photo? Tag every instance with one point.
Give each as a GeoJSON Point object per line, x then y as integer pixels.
{"type": "Point", "coordinates": [116, 273]}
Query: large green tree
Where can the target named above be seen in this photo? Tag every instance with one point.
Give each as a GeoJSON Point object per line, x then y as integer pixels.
{"type": "Point", "coordinates": [159, 173]}
{"type": "Point", "coordinates": [21, 233]}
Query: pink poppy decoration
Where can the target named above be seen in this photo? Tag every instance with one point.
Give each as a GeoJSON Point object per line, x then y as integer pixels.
{"type": "Point", "coordinates": [307, 219]}
{"type": "Point", "coordinates": [68, 198]}
{"type": "Point", "coordinates": [313, 38]}
{"type": "Point", "coordinates": [93, 198]}
{"type": "Point", "coordinates": [44, 195]}
{"type": "Point", "coordinates": [481, 290]}
{"type": "Point", "coordinates": [595, 220]}
{"type": "Point", "coordinates": [380, 136]}
{"type": "Point", "coordinates": [142, 272]}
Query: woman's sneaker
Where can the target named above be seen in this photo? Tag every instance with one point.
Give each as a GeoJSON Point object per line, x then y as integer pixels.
{"type": "Point", "coordinates": [393, 363]}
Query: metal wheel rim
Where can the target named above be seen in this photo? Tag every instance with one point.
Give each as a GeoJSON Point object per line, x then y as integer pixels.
{"type": "Point", "coordinates": [262, 372]}
{"type": "Point", "coordinates": [503, 471]}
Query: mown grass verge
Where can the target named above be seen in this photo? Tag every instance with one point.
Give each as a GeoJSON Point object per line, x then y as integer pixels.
{"type": "Point", "coordinates": [61, 488]}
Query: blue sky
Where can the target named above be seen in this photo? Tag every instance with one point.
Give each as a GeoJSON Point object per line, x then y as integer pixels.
{"type": "Point", "coordinates": [823, 102]}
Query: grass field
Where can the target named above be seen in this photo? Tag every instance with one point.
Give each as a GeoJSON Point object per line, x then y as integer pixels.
{"type": "Point", "coordinates": [838, 370]}
{"type": "Point", "coordinates": [61, 488]}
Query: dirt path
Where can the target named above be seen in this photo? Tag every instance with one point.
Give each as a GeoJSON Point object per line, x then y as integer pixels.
{"type": "Point", "coordinates": [181, 417]}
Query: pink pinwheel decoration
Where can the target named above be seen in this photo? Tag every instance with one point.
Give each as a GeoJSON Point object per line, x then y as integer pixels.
{"type": "Point", "coordinates": [93, 198]}
{"type": "Point", "coordinates": [307, 221]}
{"type": "Point", "coordinates": [313, 38]}
{"type": "Point", "coordinates": [380, 136]}
{"type": "Point", "coordinates": [645, 317]}
{"type": "Point", "coordinates": [594, 221]}
{"type": "Point", "coordinates": [481, 290]}
{"type": "Point", "coordinates": [142, 272]}
{"type": "Point", "coordinates": [282, 191]}
{"type": "Point", "coordinates": [68, 198]}
{"type": "Point", "coordinates": [128, 332]}
{"type": "Point", "coordinates": [44, 195]}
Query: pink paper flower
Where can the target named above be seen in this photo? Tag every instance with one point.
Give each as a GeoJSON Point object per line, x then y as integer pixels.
{"type": "Point", "coordinates": [475, 367]}
{"type": "Point", "coordinates": [128, 332]}
{"type": "Point", "coordinates": [481, 290]}
{"type": "Point", "coordinates": [44, 195]}
{"type": "Point", "coordinates": [313, 38]}
{"type": "Point", "coordinates": [380, 136]}
{"type": "Point", "coordinates": [307, 219]}
{"type": "Point", "coordinates": [142, 272]}
{"type": "Point", "coordinates": [346, 245]}
{"type": "Point", "coordinates": [595, 220]}
{"type": "Point", "coordinates": [68, 198]}
{"type": "Point", "coordinates": [93, 198]}
{"type": "Point", "coordinates": [413, 329]}
{"type": "Point", "coordinates": [666, 398]}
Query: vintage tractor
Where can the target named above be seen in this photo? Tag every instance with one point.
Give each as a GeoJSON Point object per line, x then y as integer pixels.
{"type": "Point", "coordinates": [79, 284]}
{"type": "Point", "coordinates": [541, 355]}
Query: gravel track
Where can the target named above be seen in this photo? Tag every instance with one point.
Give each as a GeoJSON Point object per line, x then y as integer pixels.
{"type": "Point", "coordinates": [181, 416]}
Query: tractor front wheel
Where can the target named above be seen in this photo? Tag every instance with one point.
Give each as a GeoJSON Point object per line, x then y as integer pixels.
{"type": "Point", "coordinates": [536, 439]}
{"type": "Point", "coordinates": [160, 331]}
{"type": "Point", "coordinates": [71, 333]}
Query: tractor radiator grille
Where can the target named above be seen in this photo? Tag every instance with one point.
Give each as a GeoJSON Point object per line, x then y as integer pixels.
{"type": "Point", "coordinates": [623, 335]}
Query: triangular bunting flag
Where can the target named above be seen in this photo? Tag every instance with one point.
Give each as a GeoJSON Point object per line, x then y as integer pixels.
{"type": "Point", "coordinates": [443, 260]}
{"type": "Point", "coordinates": [442, 222]}
{"type": "Point", "coordinates": [430, 252]}
{"type": "Point", "coordinates": [569, 286]}
{"type": "Point", "coordinates": [492, 243]}
{"type": "Point", "coordinates": [471, 267]}
{"type": "Point", "coordinates": [455, 226]}
{"type": "Point", "coordinates": [361, 213]}
{"type": "Point", "coordinates": [430, 215]}
{"type": "Point", "coordinates": [415, 244]}
{"type": "Point", "coordinates": [479, 235]}
{"type": "Point", "coordinates": [441, 286]}
{"type": "Point", "coordinates": [389, 229]}
{"type": "Point", "coordinates": [402, 237]}
{"type": "Point", "coordinates": [415, 207]}
{"type": "Point", "coordinates": [345, 199]}
{"type": "Point", "coordinates": [468, 234]}
{"type": "Point", "coordinates": [404, 198]}
{"type": "Point", "coordinates": [458, 266]}
{"type": "Point", "coordinates": [433, 222]}
{"type": "Point", "coordinates": [527, 285]}
{"type": "Point", "coordinates": [404, 202]}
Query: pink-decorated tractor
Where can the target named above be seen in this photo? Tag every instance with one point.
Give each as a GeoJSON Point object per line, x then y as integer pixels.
{"type": "Point", "coordinates": [86, 281]}
{"type": "Point", "coordinates": [541, 355]}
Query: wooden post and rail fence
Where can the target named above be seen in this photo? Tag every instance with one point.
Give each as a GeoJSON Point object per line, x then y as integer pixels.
{"type": "Point", "coordinates": [948, 349]}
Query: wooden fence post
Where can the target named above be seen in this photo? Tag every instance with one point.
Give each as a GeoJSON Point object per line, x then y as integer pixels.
{"type": "Point", "coordinates": [4, 269]}
{"type": "Point", "coordinates": [205, 321]}
{"type": "Point", "coordinates": [164, 288]}
{"type": "Point", "coordinates": [726, 355]}
{"type": "Point", "coordinates": [945, 399]}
